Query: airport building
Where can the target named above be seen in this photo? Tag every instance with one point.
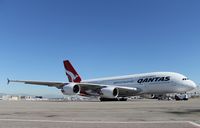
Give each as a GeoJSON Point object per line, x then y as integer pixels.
{"type": "Point", "coordinates": [19, 97]}
{"type": "Point", "coordinates": [195, 92]}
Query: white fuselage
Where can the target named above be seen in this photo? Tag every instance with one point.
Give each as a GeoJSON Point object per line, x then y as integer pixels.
{"type": "Point", "coordinates": [150, 83]}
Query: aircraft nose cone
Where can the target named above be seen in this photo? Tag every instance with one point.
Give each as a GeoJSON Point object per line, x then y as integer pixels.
{"type": "Point", "coordinates": [192, 85]}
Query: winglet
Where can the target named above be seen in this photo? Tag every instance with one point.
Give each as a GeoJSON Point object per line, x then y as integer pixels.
{"type": "Point", "coordinates": [8, 81]}
{"type": "Point", "coordinates": [73, 76]}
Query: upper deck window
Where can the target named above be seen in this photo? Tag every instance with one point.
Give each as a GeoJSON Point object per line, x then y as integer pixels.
{"type": "Point", "coordinates": [185, 79]}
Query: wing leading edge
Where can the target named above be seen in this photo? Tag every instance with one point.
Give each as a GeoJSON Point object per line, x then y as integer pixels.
{"type": "Point", "coordinates": [58, 85]}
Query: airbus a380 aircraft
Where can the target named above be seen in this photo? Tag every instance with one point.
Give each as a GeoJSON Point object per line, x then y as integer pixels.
{"type": "Point", "coordinates": [121, 87]}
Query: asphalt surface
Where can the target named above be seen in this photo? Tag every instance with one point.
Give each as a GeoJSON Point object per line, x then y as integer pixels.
{"type": "Point", "coordinates": [134, 114]}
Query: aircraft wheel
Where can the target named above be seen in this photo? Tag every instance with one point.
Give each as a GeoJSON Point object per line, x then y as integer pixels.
{"type": "Point", "coordinates": [108, 99]}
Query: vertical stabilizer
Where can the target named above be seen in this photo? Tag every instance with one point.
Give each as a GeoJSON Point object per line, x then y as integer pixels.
{"type": "Point", "coordinates": [71, 73]}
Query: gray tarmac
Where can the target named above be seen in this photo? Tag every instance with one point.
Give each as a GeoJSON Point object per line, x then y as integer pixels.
{"type": "Point", "coordinates": [131, 114]}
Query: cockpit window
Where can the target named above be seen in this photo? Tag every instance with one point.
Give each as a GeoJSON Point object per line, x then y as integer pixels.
{"type": "Point", "coordinates": [185, 79]}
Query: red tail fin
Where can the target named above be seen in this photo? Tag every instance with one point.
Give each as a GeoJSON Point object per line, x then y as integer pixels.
{"type": "Point", "coordinates": [71, 72]}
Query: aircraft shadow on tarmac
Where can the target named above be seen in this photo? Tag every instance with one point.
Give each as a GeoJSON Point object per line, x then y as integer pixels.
{"type": "Point", "coordinates": [186, 111]}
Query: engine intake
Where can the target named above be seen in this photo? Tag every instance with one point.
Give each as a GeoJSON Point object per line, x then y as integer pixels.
{"type": "Point", "coordinates": [110, 92]}
{"type": "Point", "coordinates": [71, 89]}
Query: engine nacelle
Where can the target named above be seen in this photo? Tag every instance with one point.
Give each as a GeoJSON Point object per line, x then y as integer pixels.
{"type": "Point", "coordinates": [71, 89]}
{"type": "Point", "coordinates": [110, 92]}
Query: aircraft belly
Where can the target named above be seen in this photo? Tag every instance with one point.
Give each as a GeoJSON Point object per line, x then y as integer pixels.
{"type": "Point", "coordinates": [159, 88]}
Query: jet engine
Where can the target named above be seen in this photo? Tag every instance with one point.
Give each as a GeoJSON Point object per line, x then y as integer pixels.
{"type": "Point", "coordinates": [110, 92]}
{"type": "Point", "coordinates": [71, 89]}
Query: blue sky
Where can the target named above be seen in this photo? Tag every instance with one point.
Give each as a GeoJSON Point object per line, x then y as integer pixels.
{"type": "Point", "coordinates": [101, 38]}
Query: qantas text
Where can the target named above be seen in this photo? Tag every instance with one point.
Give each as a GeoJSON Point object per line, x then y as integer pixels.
{"type": "Point", "coordinates": [153, 79]}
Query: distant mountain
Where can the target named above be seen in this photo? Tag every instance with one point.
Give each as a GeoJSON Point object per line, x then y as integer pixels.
{"type": "Point", "coordinates": [52, 96]}
{"type": "Point", "coordinates": [1, 94]}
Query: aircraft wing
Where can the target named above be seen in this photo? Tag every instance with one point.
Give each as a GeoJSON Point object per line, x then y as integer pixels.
{"type": "Point", "coordinates": [50, 84]}
{"type": "Point", "coordinates": [88, 89]}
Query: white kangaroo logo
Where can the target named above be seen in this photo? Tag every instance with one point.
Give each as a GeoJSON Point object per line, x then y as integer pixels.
{"type": "Point", "coordinates": [71, 75]}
